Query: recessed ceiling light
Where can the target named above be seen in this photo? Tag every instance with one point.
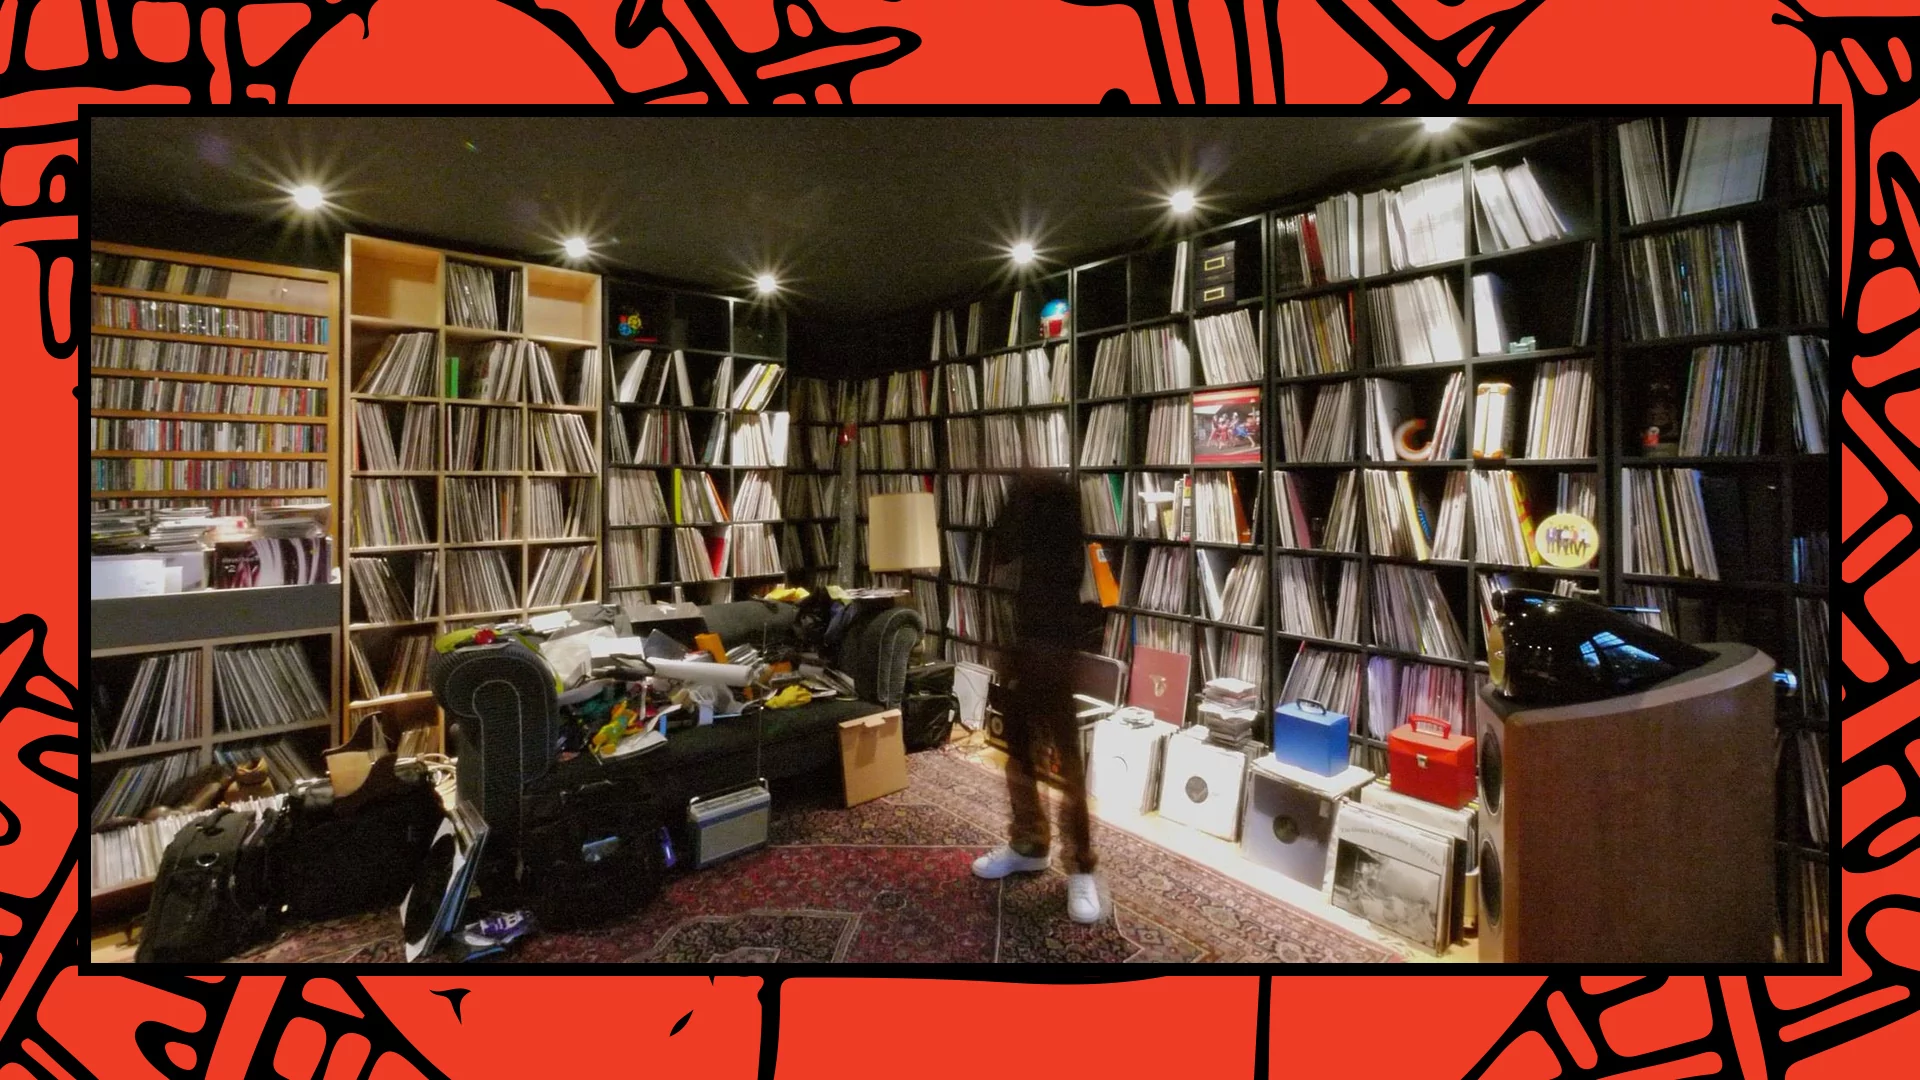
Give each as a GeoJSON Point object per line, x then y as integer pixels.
{"type": "Point", "coordinates": [576, 247]}
{"type": "Point", "coordinates": [766, 283]}
{"type": "Point", "coordinates": [1022, 253]}
{"type": "Point", "coordinates": [1437, 124]}
{"type": "Point", "coordinates": [307, 197]}
{"type": "Point", "coordinates": [1181, 201]}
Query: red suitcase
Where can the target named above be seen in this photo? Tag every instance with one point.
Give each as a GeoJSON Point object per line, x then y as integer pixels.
{"type": "Point", "coordinates": [1434, 767]}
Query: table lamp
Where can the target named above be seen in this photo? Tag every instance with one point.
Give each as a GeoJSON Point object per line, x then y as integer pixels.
{"type": "Point", "coordinates": [902, 532]}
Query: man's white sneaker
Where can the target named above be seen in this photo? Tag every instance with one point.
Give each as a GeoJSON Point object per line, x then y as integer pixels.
{"type": "Point", "coordinates": [1087, 900]}
{"type": "Point", "coordinates": [1003, 860]}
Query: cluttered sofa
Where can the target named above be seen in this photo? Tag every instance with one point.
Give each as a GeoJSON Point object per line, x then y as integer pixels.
{"type": "Point", "coordinates": [506, 713]}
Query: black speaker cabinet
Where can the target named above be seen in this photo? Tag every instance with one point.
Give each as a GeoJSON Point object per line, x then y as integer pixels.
{"type": "Point", "coordinates": [1635, 829]}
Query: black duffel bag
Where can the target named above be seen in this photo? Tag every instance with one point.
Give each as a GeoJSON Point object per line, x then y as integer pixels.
{"type": "Point", "coordinates": [929, 707]}
{"type": "Point", "coordinates": [592, 854]}
{"type": "Point", "coordinates": [209, 899]}
{"type": "Point", "coordinates": [341, 856]}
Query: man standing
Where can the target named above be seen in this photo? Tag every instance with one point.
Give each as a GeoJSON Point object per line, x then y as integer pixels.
{"type": "Point", "coordinates": [1039, 533]}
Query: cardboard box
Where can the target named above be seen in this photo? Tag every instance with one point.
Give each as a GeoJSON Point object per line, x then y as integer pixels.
{"type": "Point", "coordinates": [873, 756]}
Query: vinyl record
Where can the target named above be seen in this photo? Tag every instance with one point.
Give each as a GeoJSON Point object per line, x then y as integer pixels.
{"type": "Point", "coordinates": [1201, 786]}
{"type": "Point", "coordinates": [420, 911]}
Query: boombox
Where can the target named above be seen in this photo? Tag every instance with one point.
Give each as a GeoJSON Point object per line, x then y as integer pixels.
{"type": "Point", "coordinates": [730, 824]}
{"type": "Point", "coordinates": [1634, 829]}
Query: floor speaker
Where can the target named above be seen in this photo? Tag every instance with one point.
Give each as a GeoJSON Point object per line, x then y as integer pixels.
{"type": "Point", "coordinates": [1636, 829]}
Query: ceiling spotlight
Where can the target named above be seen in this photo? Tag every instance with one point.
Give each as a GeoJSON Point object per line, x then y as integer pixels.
{"type": "Point", "coordinates": [766, 283]}
{"type": "Point", "coordinates": [1181, 201]}
{"type": "Point", "coordinates": [1437, 124]}
{"type": "Point", "coordinates": [307, 197]}
{"type": "Point", "coordinates": [575, 247]}
{"type": "Point", "coordinates": [1022, 253]}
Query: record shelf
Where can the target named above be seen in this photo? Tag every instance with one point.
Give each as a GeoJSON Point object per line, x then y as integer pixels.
{"type": "Point", "coordinates": [1562, 300]}
{"type": "Point", "coordinates": [511, 529]}
{"type": "Point", "coordinates": [711, 345]}
{"type": "Point", "coordinates": [189, 352]}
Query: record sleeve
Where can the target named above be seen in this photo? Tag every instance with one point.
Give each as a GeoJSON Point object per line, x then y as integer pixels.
{"type": "Point", "coordinates": [1226, 427]}
{"type": "Point", "coordinates": [1394, 874]}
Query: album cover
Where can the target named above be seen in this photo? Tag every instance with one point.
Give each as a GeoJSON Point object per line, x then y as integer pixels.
{"type": "Point", "coordinates": [1393, 874]}
{"type": "Point", "coordinates": [1226, 427]}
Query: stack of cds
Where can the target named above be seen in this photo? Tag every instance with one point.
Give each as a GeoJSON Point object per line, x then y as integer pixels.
{"type": "Point", "coordinates": [1227, 709]}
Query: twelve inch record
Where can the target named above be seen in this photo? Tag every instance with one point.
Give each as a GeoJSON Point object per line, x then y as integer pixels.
{"type": "Point", "coordinates": [433, 905]}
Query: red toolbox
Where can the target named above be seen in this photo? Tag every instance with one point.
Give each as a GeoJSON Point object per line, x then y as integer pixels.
{"type": "Point", "coordinates": [1426, 760]}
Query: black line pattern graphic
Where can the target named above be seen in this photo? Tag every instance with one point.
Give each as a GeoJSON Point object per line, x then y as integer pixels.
{"type": "Point", "coordinates": [1405, 85]}
{"type": "Point", "coordinates": [1879, 92]}
{"type": "Point", "coordinates": [127, 67]}
{"type": "Point", "coordinates": [1461, 56]}
{"type": "Point", "coordinates": [803, 38]}
{"type": "Point", "coordinates": [807, 55]}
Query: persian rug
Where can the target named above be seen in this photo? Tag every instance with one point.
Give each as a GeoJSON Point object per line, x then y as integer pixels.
{"type": "Point", "coordinates": [889, 882]}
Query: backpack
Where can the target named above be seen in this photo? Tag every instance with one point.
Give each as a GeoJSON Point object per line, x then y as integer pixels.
{"type": "Point", "coordinates": [593, 855]}
{"type": "Point", "coordinates": [209, 897]}
{"type": "Point", "coordinates": [928, 710]}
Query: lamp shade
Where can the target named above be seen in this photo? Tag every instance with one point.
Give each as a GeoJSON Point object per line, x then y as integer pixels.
{"type": "Point", "coordinates": [902, 532]}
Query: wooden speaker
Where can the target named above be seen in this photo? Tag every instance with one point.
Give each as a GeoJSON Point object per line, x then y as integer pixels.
{"type": "Point", "coordinates": [1637, 829]}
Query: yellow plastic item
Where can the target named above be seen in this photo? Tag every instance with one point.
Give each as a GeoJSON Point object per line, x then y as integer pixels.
{"type": "Point", "coordinates": [608, 737]}
{"type": "Point", "coordinates": [624, 713]}
{"type": "Point", "coordinates": [787, 594]}
{"type": "Point", "coordinates": [792, 697]}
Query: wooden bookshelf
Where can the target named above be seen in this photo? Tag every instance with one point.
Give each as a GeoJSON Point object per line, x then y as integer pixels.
{"type": "Point", "coordinates": [707, 332]}
{"type": "Point", "coordinates": [292, 314]}
{"type": "Point", "coordinates": [250, 289]}
{"type": "Point", "coordinates": [394, 288]}
{"type": "Point", "coordinates": [128, 631]}
{"type": "Point", "coordinates": [1543, 285]}
{"type": "Point", "coordinates": [324, 652]}
{"type": "Point", "coordinates": [999, 338]}
{"type": "Point", "coordinates": [811, 564]}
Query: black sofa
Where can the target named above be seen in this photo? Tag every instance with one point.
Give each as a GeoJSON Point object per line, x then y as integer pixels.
{"type": "Point", "coordinates": [500, 705]}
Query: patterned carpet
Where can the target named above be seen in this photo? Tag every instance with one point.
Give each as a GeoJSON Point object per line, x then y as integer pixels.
{"type": "Point", "coordinates": [889, 882]}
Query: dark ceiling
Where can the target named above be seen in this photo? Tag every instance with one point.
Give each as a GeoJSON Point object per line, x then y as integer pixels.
{"type": "Point", "coordinates": [862, 216]}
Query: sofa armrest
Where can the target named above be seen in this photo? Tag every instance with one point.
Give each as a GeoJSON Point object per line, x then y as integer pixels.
{"type": "Point", "coordinates": [875, 652]}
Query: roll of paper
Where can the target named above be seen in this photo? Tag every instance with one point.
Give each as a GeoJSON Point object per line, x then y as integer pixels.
{"type": "Point", "coordinates": [689, 671]}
